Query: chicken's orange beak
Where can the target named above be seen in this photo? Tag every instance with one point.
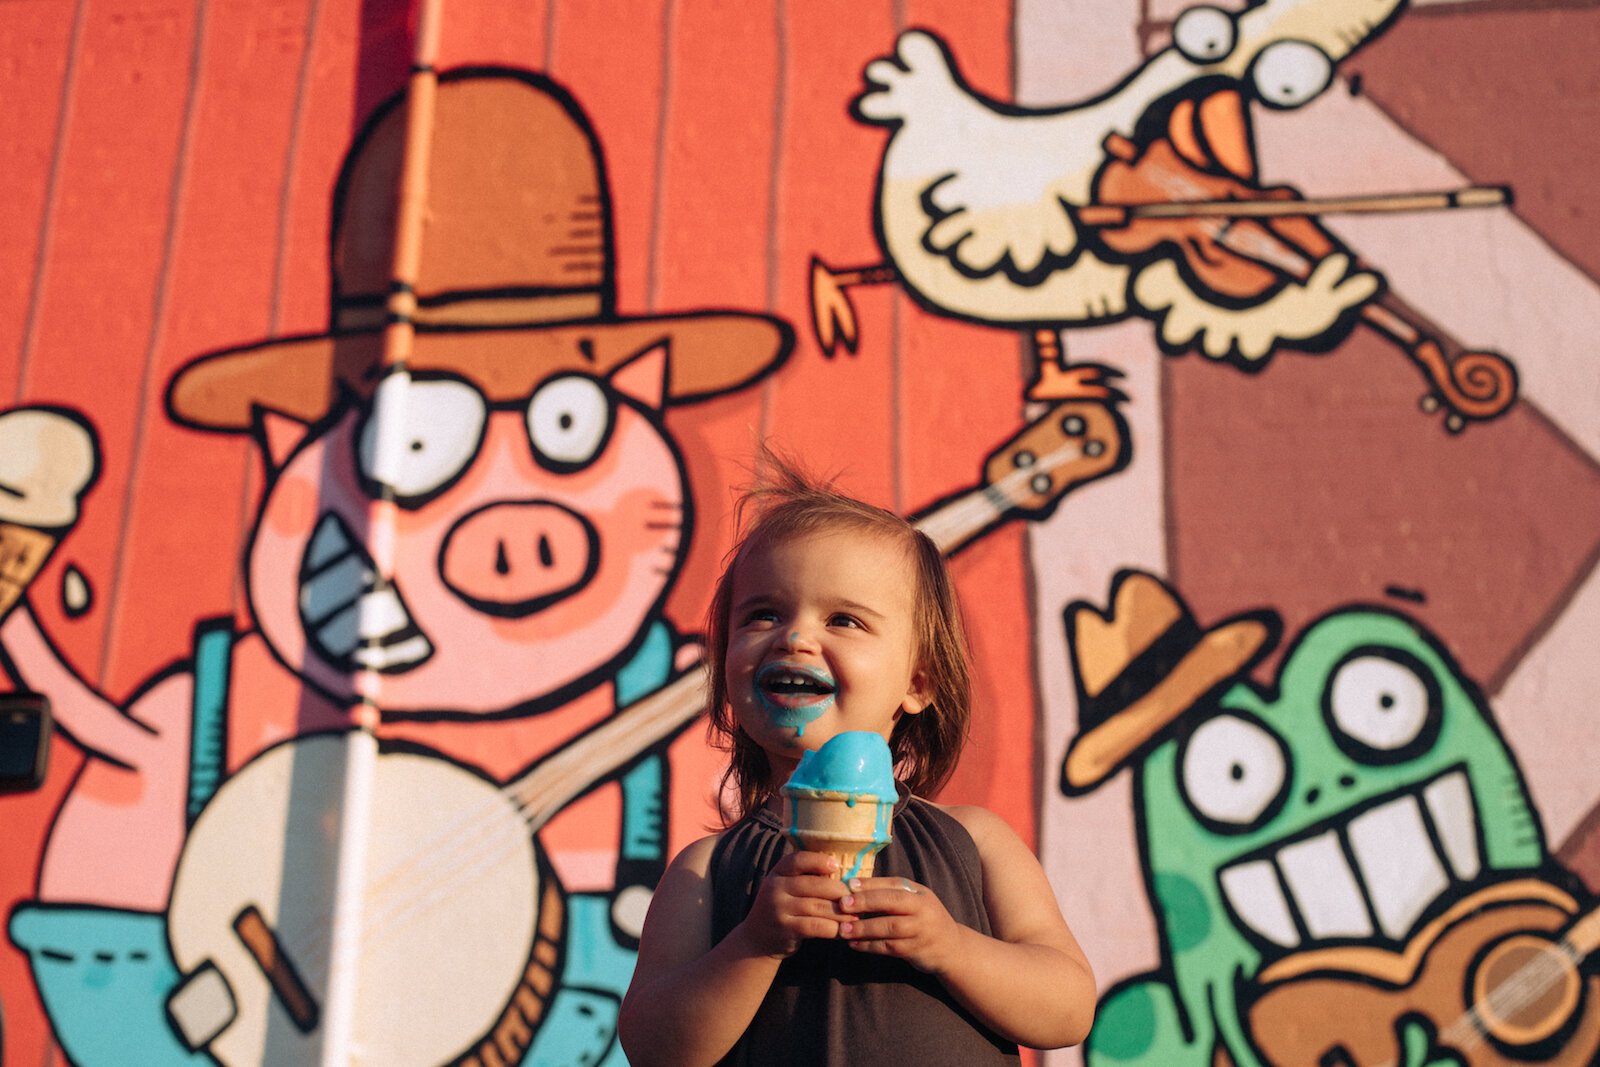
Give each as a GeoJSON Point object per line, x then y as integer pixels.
{"type": "Point", "coordinates": [1214, 132]}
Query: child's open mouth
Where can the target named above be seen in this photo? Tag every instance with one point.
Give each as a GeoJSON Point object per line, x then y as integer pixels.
{"type": "Point", "coordinates": [789, 686]}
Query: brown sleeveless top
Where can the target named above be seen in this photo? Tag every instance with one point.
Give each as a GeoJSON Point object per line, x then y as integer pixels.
{"type": "Point", "coordinates": [832, 1005]}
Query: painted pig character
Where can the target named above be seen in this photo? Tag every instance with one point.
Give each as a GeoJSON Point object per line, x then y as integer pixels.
{"type": "Point", "coordinates": [479, 543]}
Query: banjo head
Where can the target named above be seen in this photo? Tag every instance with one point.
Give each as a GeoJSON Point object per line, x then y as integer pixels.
{"type": "Point", "coordinates": [445, 928]}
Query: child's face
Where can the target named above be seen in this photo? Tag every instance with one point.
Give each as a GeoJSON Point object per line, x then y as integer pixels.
{"type": "Point", "coordinates": [822, 639]}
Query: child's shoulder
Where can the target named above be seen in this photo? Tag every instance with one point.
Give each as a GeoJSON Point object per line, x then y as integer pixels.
{"type": "Point", "coordinates": [978, 821]}
{"type": "Point", "coordinates": [989, 832]}
{"type": "Point", "coordinates": [696, 856]}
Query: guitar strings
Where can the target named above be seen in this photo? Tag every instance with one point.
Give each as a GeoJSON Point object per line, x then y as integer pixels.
{"type": "Point", "coordinates": [1524, 987]}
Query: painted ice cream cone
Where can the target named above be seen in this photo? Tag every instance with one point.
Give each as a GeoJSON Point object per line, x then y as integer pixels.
{"type": "Point", "coordinates": [47, 460]}
{"type": "Point", "coordinates": [840, 800]}
{"type": "Point", "coordinates": [23, 551]}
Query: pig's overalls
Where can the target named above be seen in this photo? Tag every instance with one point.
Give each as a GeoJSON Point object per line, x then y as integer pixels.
{"type": "Point", "coordinates": [105, 974]}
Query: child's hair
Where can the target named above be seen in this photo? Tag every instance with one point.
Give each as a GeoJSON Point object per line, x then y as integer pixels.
{"type": "Point", "coordinates": [789, 505]}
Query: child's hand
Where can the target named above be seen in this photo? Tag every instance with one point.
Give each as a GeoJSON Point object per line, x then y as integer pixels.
{"type": "Point", "coordinates": [902, 919]}
{"type": "Point", "coordinates": [797, 900]}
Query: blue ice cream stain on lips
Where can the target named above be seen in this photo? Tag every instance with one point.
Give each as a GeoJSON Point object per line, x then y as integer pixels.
{"type": "Point", "coordinates": [794, 711]}
{"type": "Point", "coordinates": [856, 763]}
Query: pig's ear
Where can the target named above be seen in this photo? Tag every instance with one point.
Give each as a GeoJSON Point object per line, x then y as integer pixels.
{"type": "Point", "coordinates": [644, 376]}
{"type": "Point", "coordinates": [280, 435]}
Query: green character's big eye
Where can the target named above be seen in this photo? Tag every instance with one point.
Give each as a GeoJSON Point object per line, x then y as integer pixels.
{"type": "Point", "coordinates": [1234, 773]}
{"type": "Point", "coordinates": [1382, 706]}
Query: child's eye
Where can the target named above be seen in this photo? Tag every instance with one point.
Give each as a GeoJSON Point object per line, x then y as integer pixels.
{"type": "Point", "coordinates": [845, 620]}
{"type": "Point", "coordinates": [760, 616]}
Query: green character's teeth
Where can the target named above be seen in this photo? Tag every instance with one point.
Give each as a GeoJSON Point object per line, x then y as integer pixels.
{"type": "Point", "coordinates": [1251, 890]}
{"type": "Point", "coordinates": [1403, 872]}
{"type": "Point", "coordinates": [1449, 800]}
{"type": "Point", "coordinates": [1309, 890]}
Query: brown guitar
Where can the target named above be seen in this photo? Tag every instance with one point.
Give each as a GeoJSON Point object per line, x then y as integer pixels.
{"type": "Point", "coordinates": [1499, 979]}
{"type": "Point", "coordinates": [1073, 442]}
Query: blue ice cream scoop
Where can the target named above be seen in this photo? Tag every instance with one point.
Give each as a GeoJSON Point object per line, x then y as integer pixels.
{"type": "Point", "coordinates": [840, 799]}
{"type": "Point", "coordinates": [855, 762]}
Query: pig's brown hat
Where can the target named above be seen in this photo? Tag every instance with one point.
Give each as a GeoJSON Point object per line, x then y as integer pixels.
{"type": "Point", "coordinates": [1142, 666]}
{"type": "Point", "coordinates": [515, 282]}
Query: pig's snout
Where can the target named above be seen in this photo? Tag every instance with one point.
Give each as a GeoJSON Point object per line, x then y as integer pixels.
{"type": "Point", "coordinates": [514, 558]}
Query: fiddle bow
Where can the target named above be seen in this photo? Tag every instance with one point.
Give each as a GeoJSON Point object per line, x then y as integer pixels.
{"type": "Point", "coordinates": [1239, 241]}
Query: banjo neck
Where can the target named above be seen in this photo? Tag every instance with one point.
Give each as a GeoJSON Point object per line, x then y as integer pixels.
{"type": "Point", "coordinates": [1073, 442]}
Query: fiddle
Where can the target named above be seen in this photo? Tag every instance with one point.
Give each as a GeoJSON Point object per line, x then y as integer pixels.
{"type": "Point", "coordinates": [1500, 978]}
{"type": "Point", "coordinates": [1239, 241]}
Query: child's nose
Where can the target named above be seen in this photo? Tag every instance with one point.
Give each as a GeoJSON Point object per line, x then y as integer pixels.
{"type": "Point", "coordinates": [796, 639]}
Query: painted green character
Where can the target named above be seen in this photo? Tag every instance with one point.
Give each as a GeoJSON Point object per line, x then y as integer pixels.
{"type": "Point", "coordinates": [1305, 849]}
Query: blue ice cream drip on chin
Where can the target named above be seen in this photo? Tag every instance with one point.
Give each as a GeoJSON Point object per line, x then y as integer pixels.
{"type": "Point", "coordinates": [856, 763]}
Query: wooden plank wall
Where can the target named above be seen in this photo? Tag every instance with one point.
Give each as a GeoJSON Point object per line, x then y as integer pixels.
{"type": "Point", "coordinates": [170, 165]}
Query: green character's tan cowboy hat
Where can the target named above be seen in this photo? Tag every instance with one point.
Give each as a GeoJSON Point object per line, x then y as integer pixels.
{"type": "Point", "coordinates": [1142, 666]}
{"type": "Point", "coordinates": [516, 279]}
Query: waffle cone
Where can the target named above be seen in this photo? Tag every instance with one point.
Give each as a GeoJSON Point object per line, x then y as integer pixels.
{"type": "Point", "coordinates": [23, 550]}
{"type": "Point", "coordinates": [831, 822]}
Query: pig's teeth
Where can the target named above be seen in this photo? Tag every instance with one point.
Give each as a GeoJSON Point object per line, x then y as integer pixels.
{"type": "Point", "coordinates": [334, 589]}
{"type": "Point", "coordinates": [377, 616]}
{"type": "Point", "coordinates": [382, 613]}
{"type": "Point", "coordinates": [350, 617]}
{"type": "Point", "coordinates": [340, 635]}
{"type": "Point", "coordinates": [328, 542]}
{"type": "Point", "coordinates": [412, 650]}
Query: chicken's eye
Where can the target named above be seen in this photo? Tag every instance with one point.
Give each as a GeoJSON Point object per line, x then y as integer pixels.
{"type": "Point", "coordinates": [1204, 34]}
{"type": "Point", "coordinates": [1290, 73]}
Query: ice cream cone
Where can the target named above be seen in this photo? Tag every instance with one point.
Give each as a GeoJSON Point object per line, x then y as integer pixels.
{"type": "Point", "coordinates": [23, 550]}
{"type": "Point", "coordinates": [850, 827]}
{"type": "Point", "coordinates": [48, 460]}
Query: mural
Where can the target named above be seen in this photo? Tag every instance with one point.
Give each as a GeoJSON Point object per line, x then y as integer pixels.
{"type": "Point", "coordinates": [375, 663]}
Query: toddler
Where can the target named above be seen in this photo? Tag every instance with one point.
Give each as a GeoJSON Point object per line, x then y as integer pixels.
{"type": "Point", "coordinates": [834, 615]}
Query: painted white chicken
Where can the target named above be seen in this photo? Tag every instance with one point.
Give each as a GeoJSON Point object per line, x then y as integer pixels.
{"type": "Point", "coordinates": [978, 201]}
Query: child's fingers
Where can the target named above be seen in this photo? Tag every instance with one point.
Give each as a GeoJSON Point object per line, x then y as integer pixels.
{"type": "Point", "coordinates": [879, 928]}
{"type": "Point", "coordinates": [820, 863]}
{"type": "Point", "coordinates": [800, 904]}
{"type": "Point", "coordinates": [893, 884]}
{"type": "Point", "coordinates": [813, 926]}
{"type": "Point", "coordinates": [900, 896]}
